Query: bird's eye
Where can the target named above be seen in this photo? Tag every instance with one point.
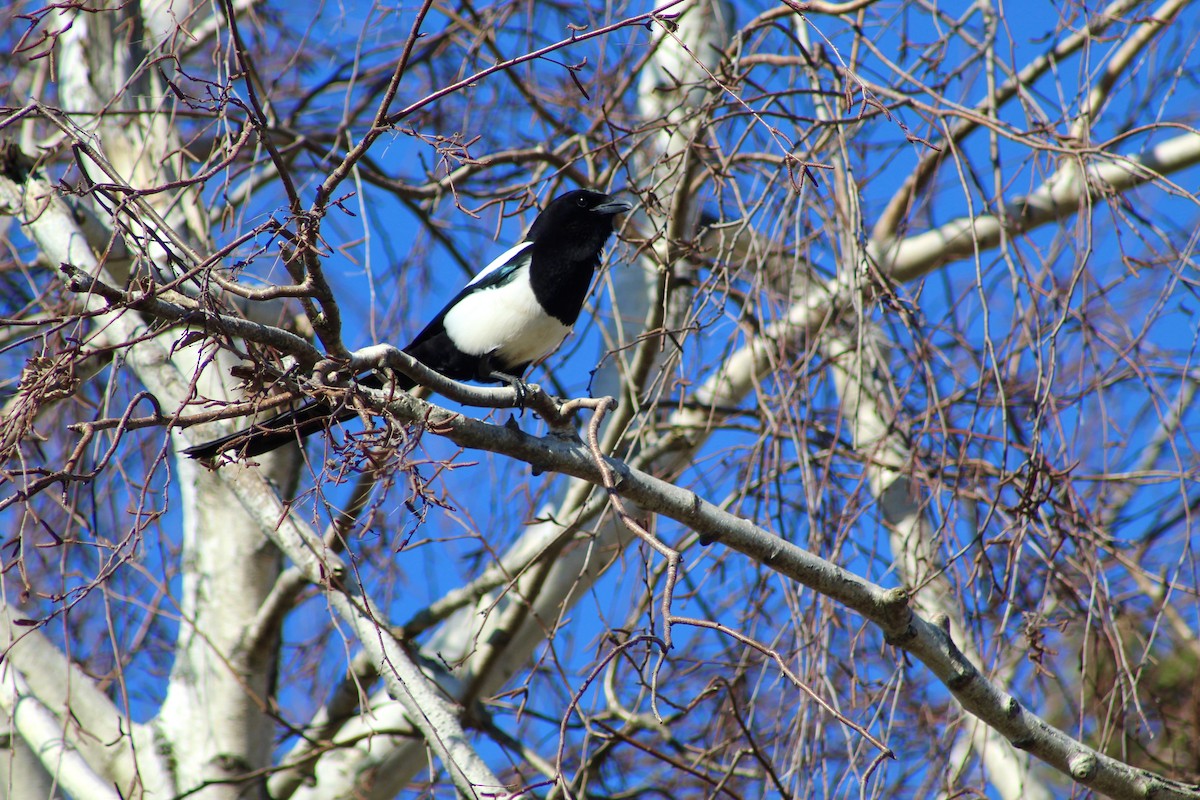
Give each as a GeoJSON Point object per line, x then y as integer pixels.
{"type": "Point", "coordinates": [581, 202]}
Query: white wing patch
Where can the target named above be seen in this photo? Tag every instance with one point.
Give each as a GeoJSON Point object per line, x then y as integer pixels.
{"type": "Point", "coordinates": [501, 260]}
{"type": "Point", "coordinates": [506, 321]}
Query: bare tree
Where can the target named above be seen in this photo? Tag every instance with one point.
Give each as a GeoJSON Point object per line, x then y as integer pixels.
{"type": "Point", "coordinates": [871, 471]}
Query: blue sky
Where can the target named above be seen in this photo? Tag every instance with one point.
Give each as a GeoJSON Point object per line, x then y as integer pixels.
{"type": "Point", "coordinates": [390, 276]}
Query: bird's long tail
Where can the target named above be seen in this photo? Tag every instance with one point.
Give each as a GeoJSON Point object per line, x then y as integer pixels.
{"type": "Point", "coordinates": [290, 426]}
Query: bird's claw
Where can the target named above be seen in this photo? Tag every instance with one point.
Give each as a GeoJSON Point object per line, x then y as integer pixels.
{"type": "Point", "coordinates": [516, 384]}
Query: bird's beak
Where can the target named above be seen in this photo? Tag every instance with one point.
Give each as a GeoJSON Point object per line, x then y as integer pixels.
{"type": "Point", "coordinates": [612, 207]}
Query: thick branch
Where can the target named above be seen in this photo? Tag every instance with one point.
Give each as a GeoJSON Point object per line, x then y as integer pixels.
{"type": "Point", "coordinates": [1062, 195]}
{"type": "Point", "coordinates": [44, 734]}
{"type": "Point", "coordinates": [98, 731]}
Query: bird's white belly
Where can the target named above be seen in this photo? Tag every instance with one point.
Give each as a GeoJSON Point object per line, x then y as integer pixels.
{"type": "Point", "coordinates": [507, 322]}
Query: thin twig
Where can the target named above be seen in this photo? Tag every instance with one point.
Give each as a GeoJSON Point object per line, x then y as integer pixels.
{"type": "Point", "coordinates": [610, 484]}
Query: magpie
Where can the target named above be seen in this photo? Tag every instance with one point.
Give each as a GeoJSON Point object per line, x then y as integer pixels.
{"type": "Point", "coordinates": [516, 311]}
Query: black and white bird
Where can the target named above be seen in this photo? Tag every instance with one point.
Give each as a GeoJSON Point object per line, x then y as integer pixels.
{"type": "Point", "coordinates": [516, 311]}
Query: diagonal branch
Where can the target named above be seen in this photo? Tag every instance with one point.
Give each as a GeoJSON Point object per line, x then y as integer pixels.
{"type": "Point", "coordinates": [1064, 194]}
{"type": "Point", "coordinates": [888, 609]}
{"type": "Point", "coordinates": [425, 705]}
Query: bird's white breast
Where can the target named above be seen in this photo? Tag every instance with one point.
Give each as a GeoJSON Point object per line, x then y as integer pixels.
{"type": "Point", "coordinates": [506, 321]}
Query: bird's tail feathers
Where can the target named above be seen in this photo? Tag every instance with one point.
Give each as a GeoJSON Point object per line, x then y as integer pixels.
{"type": "Point", "coordinates": [290, 426]}
{"type": "Point", "coordinates": [271, 434]}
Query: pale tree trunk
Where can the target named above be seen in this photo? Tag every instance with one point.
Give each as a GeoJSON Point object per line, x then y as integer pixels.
{"type": "Point", "coordinates": [129, 765]}
{"type": "Point", "coordinates": [214, 726]}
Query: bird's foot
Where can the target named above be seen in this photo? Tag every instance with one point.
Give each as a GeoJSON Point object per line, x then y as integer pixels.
{"type": "Point", "coordinates": [519, 386]}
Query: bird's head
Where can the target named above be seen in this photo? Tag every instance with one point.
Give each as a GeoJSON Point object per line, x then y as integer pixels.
{"type": "Point", "coordinates": [578, 223]}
